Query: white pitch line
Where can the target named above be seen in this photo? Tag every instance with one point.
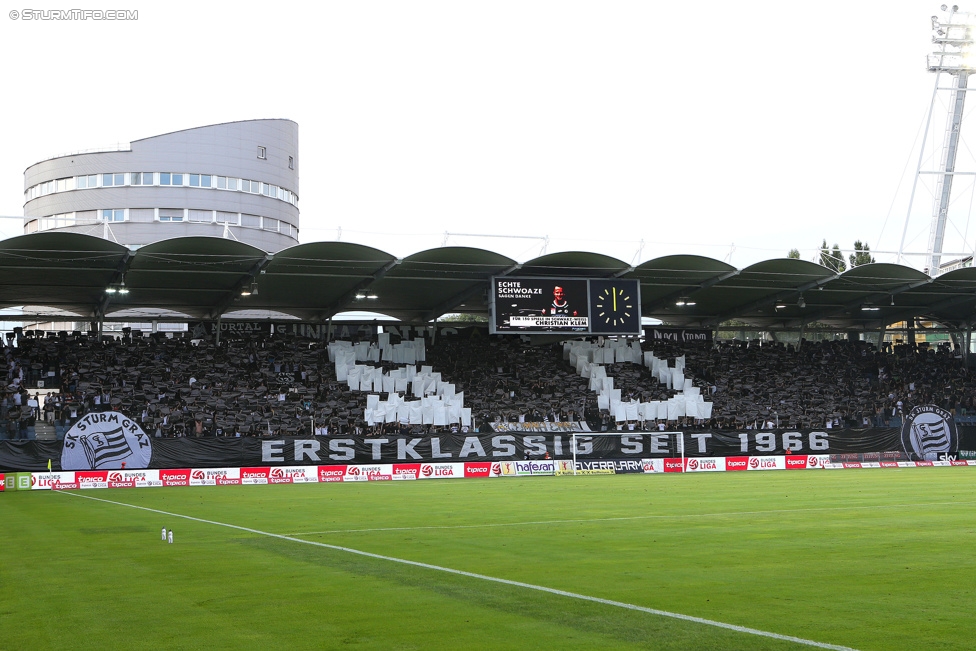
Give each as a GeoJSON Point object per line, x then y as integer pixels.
{"type": "Point", "coordinates": [623, 518]}
{"type": "Point", "coordinates": [483, 577]}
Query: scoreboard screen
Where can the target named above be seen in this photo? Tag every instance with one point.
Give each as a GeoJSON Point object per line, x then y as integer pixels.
{"type": "Point", "coordinates": [584, 306]}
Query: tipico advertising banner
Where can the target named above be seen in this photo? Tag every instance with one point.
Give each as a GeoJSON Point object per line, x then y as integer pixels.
{"type": "Point", "coordinates": [270, 475]}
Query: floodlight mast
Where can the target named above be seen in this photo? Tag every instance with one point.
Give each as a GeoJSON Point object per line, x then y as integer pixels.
{"type": "Point", "coordinates": [955, 57]}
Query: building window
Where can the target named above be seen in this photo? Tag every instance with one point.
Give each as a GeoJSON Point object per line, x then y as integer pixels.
{"type": "Point", "coordinates": [170, 215]}
{"type": "Point", "coordinates": [113, 215]}
{"type": "Point", "coordinates": [291, 162]}
{"type": "Point", "coordinates": [90, 181]}
{"type": "Point", "coordinates": [263, 153]}
{"type": "Point", "coordinates": [53, 221]}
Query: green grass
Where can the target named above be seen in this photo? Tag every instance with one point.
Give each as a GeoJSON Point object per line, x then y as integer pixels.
{"type": "Point", "coordinates": [871, 559]}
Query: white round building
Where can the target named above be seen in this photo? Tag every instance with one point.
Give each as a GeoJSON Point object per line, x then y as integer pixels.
{"type": "Point", "coordinates": [236, 180]}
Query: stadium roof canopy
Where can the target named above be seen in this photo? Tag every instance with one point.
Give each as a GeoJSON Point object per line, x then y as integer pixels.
{"type": "Point", "coordinates": [204, 278]}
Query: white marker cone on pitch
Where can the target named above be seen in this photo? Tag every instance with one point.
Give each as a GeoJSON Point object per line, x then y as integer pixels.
{"type": "Point", "coordinates": [164, 534]}
{"type": "Point", "coordinates": [171, 536]}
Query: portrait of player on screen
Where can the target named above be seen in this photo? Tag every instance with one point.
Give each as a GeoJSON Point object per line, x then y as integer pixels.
{"type": "Point", "coordinates": [560, 305]}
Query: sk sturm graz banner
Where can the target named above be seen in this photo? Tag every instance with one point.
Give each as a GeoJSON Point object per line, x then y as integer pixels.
{"type": "Point", "coordinates": [105, 441]}
{"type": "Point", "coordinates": [929, 434]}
{"type": "Point", "coordinates": [109, 448]}
{"type": "Point", "coordinates": [565, 305]}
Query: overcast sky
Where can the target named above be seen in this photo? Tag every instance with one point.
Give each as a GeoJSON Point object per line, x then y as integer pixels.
{"type": "Point", "coordinates": [736, 130]}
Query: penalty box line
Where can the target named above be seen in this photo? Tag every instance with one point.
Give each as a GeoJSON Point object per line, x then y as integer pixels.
{"type": "Point", "coordinates": [483, 577]}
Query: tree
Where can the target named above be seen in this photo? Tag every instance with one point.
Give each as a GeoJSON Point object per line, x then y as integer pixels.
{"type": "Point", "coordinates": [861, 255]}
{"type": "Point", "coordinates": [794, 254]}
{"type": "Point", "coordinates": [833, 260]}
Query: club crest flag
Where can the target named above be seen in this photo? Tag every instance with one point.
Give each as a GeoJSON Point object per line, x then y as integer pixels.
{"type": "Point", "coordinates": [105, 441]}
{"type": "Point", "coordinates": [929, 434]}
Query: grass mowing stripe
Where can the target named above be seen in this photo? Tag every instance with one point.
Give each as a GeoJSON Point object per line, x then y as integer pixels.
{"type": "Point", "coordinates": [519, 584]}
{"type": "Point", "coordinates": [674, 516]}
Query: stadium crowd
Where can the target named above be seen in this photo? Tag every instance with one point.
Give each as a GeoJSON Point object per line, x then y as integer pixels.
{"type": "Point", "coordinates": [284, 385]}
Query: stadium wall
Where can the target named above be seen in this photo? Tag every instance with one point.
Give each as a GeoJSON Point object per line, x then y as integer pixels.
{"type": "Point", "coordinates": [120, 448]}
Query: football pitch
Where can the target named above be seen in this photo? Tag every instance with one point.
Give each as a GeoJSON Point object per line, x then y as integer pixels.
{"type": "Point", "coordinates": [861, 559]}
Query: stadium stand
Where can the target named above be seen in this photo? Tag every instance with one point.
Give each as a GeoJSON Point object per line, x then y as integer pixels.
{"type": "Point", "coordinates": [286, 385]}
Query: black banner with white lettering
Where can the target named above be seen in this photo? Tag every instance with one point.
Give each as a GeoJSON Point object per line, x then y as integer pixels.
{"type": "Point", "coordinates": [243, 329]}
{"type": "Point", "coordinates": [344, 330]}
{"type": "Point", "coordinates": [678, 335]}
{"type": "Point", "coordinates": [221, 452]}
